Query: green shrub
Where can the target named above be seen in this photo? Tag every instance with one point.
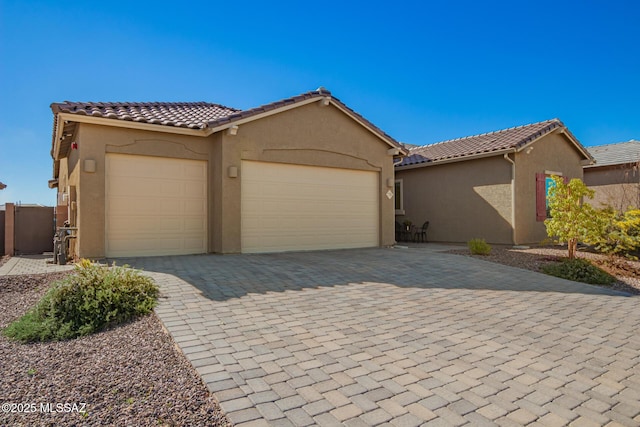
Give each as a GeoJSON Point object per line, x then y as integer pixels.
{"type": "Point", "coordinates": [92, 298]}
{"type": "Point", "coordinates": [479, 247]}
{"type": "Point", "coordinates": [579, 270]}
{"type": "Point", "coordinates": [617, 233]}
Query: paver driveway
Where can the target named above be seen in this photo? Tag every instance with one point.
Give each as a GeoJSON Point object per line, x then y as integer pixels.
{"type": "Point", "coordinates": [400, 337]}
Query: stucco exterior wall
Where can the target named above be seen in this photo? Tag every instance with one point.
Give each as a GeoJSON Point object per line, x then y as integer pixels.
{"type": "Point", "coordinates": [308, 135]}
{"type": "Point", "coordinates": [617, 186]}
{"type": "Point", "coordinates": [311, 135]}
{"type": "Point", "coordinates": [461, 200]}
{"type": "Point", "coordinates": [555, 153]}
{"type": "Point", "coordinates": [94, 142]}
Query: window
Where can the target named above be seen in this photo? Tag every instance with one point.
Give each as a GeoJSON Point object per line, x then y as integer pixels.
{"type": "Point", "coordinates": [544, 183]}
{"type": "Point", "coordinates": [399, 197]}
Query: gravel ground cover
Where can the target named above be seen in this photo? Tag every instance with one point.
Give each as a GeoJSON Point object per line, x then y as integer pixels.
{"type": "Point", "coordinates": [131, 375]}
{"type": "Point", "coordinates": [625, 271]}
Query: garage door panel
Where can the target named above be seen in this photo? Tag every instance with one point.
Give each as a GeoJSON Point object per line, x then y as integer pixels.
{"type": "Point", "coordinates": [155, 206]}
{"type": "Point", "coordinates": [294, 207]}
{"type": "Point", "coordinates": [196, 207]}
{"type": "Point", "coordinates": [194, 189]}
{"type": "Point", "coordinates": [194, 225]}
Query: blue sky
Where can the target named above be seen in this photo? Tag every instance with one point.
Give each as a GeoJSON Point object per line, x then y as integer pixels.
{"type": "Point", "coordinates": [423, 71]}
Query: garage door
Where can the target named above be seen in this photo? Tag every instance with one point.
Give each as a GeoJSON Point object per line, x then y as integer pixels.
{"type": "Point", "coordinates": [155, 206]}
{"type": "Point", "coordinates": [294, 207]}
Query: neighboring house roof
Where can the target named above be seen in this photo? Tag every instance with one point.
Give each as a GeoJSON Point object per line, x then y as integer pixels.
{"type": "Point", "coordinates": [487, 144]}
{"type": "Point", "coordinates": [194, 118]}
{"type": "Point", "coordinates": [615, 154]}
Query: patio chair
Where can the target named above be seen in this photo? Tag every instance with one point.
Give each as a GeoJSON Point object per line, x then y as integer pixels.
{"type": "Point", "coordinates": [421, 233]}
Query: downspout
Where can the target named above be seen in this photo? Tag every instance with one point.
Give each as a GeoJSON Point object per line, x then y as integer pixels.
{"type": "Point", "coordinates": [513, 197]}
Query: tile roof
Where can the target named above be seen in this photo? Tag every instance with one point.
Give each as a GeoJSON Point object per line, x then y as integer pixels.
{"type": "Point", "coordinates": [189, 115]}
{"type": "Point", "coordinates": [196, 115]}
{"type": "Point", "coordinates": [192, 115]}
{"type": "Point", "coordinates": [616, 154]}
{"type": "Point", "coordinates": [498, 141]}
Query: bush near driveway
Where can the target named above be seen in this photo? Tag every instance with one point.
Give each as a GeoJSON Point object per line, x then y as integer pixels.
{"type": "Point", "coordinates": [479, 247]}
{"type": "Point", "coordinates": [91, 299]}
{"type": "Point", "coordinates": [579, 270]}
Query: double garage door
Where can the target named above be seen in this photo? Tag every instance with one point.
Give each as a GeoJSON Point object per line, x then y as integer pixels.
{"type": "Point", "coordinates": [158, 206]}
{"type": "Point", "coordinates": [294, 207]}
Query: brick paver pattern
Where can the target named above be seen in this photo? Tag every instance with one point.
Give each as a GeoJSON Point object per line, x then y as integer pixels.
{"type": "Point", "coordinates": [400, 337]}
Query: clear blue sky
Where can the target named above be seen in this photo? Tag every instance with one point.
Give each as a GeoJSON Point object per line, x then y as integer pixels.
{"type": "Point", "coordinates": [423, 71]}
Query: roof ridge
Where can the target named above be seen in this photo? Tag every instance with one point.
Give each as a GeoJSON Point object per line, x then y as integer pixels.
{"type": "Point", "coordinates": [631, 141]}
{"type": "Point", "coordinates": [556, 120]}
{"type": "Point", "coordinates": [103, 104]}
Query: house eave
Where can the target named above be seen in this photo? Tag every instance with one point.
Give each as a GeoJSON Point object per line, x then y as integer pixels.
{"type": "Point", "coordinates": [207, 131]}
{"type": "Point", "coordinates": [457, 159]}
{"type": "Point", "coordinates": [562, 131]}
{"type": "Point", "coordinates": [129, 124]}
{"type": "Point", "coordinates": [321, 99]}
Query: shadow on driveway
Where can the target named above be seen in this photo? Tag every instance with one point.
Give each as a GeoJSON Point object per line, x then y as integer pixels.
{"type": "Point", "coordinates": [220, 277]}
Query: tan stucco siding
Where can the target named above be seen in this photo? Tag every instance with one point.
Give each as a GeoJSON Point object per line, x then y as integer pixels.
{"type": "Point", "coordinates": [553, 153]}
{"type": "Point", "coordinates": [311, 135]}
{"type": "Point", "coordinates": [462, 200]}
{"type": "Point", "coordinates": [308, 135]}
{"type": "Point", "coordinates": [93, 143]}
{"type": "Point", "coordinates": [617, 186]}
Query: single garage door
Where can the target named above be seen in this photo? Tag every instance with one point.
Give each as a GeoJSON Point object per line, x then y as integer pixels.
{"type": "Point", "coordinates": [155, 206]}
{"type": "Point", "coordinates": [294, 207]}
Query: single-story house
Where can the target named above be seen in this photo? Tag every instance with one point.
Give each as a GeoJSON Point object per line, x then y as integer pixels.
{"type": "Point", "coordinates": [142, 179]}
{"type": "Point", "coordinates": [615, 176]}
{"type": "Point", "coordinates": [490, 186]}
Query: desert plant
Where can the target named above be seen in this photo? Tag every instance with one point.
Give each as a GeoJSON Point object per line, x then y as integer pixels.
{"type": "Point", "coordinates": [579, 270]}
{"type": "Point", "coordinates": [92, 298]}
{"type": "Point", "coordinates": [571, 220]}
{"type": "Point", "coordinates": [479, 247]}
{"type": "Point", "coordinates": [615, 233]}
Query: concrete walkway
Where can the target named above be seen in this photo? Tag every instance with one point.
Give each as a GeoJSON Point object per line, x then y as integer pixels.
{"type": "Point", "coordinates": [400, 337]}
{"type": "Point", "coordinates": [31, 264]}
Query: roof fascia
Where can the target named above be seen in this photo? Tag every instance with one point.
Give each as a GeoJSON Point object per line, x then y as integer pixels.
{"type": "Point", "coordinates": [55, 152]}
{"type": "Point", "coordinates": [262, 115]}
{"type": "Point", "coordinates": [617, 165]}
{"type": "Point", "coordinates": [62, 117]}
{"type": "Point", "coordinates": [563, 131]}
{"type": "Point", "coordinates": [346, 111]}
{"type": "Point", "coordinates": [457, 159]}
{"type": "Point", "coordinates": [278, 110]}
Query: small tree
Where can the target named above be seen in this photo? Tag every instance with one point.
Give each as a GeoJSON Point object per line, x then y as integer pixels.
{"type": "Point", "coordinates": [571, 220]}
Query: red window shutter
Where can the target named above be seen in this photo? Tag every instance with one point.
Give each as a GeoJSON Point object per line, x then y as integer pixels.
{"type": "Point", "coordinates": [541, 197]}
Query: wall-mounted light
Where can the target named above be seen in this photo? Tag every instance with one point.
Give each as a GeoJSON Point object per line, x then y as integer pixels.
{"type": "Point", "coordinates": [324, 102]}
{"type": "Point", "coordinates": [233, 130]}
{"type": "Point", "coordinates": [232, 172]}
